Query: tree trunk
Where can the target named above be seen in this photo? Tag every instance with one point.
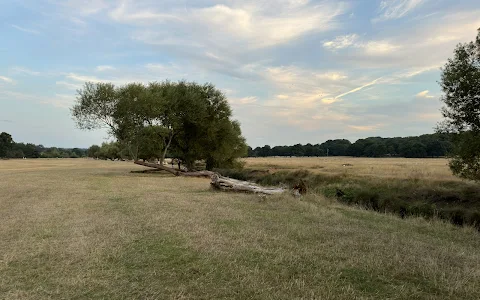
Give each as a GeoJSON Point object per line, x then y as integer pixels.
{"type": "Point", "coordinates": [219, 182]}
{"type": "Point", "coordinates": [176, 172]}
{"type": "Point", "coordinates": [170, 138]}
{"type": "Point", "coordinates": [228, 184]}
{"type": "Point", "coordinates": [206, 174]}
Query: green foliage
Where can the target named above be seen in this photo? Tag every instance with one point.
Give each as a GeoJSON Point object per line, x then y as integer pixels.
{"type": "Point", "coordinates": [190, 121]}
{"type": "Point", "coordinates": [10, 149]}
{"type": "Point", "coordinates": [95, 106]}
{"type": "Point", "coordinates": [55, 152]}
{"type": "Point", "coordinates": [336, 147]}
{"type": "Point", "coordinates": [460, 83]}
{"type": "Point", "coordinates": [6, 144]}
{"type": "Point", "coordinates": [110, 151]}
{"type": "Point", "coordinates": [150, 138]}
{"type": "Point", "coordinates": [93, 151]}
{"type": "Point", "coordinates": [466, 159]}
{"type": "Point", "coordinates": [428, 145]}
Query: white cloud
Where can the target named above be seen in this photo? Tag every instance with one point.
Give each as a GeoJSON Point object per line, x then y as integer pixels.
{"type": "Point", "coordinates": [295, 78]}
{"type": "Point", "coordinates": [120, 76]}
{"type": "Point", "coordinates": [244, 100]}
{"type": "Point", "coordinates": [27, 30]}
{"type": "Point", "coordinates": [424, 45]}
{"type": "Point", "coordinates": [365, 127]}
{"type": "Point", "coordinates": [104, 68]}
{"type": "Point", "coordinates": [334, 76]}
{"type": "Point", "coordinates": [424, 94]}
{"type": "Point", "coordinates": [249, 23]}
{"type": "Point", "coordinates": [60, 100]}
{"type": "Point", "coordinates": [6, 79]}
{"type": "Point", "coordinates": [417, 71]}
{"type": "Point", "coordinates": [84, 7]}
{"type": "Point", "coordinates": [23, 70]}
{"type": "Point", "coordinates": [262, 29]}
{"type": "Point", "coordinates": [69, 85]}
{"type": "Point", "coordinates": [125, 13]}
{"type": "Point", "coordinates": [162, 68]}
{"type": "Point", "coordinates": [83, 78]}
{"type": "Point", "coordinates": [358, 88]}
{"type": "Point", "coordinates": [379, 47]}
{"type": "Point", "coordinates": [395, 9]}
{"type": "Point", "coordinates": [372, 47]}
{"type": "Point", "coordinates": [341, 42]}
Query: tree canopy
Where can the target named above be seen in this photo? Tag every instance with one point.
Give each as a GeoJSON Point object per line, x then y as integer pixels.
{"type": "Point", "coordinates": [188, 120]}
{"type": "Point", "coordinates": [460, 83]}
{"type": "Point", "coordinates": [6, 144]}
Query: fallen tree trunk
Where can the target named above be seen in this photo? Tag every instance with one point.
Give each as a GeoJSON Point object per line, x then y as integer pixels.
{"type": "Point", "coordinates": [148, 171]}
{"type": "Point", "coordinates": [228, 184]}
{"type": "Point", "coordinates": [176, 172]}
{"type": "Point", "coordinates": [206, 174]}
{"type": "Point", "coordinates": [219, 182]}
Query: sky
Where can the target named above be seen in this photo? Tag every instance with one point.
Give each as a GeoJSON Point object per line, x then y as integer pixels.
{"type": "Point", "coordinates": [294, 71]}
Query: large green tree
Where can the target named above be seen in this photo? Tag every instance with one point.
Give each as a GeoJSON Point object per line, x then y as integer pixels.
{"type": "Point", "coordinates": [460, 82]}
{"type": "Point", "coordinates": [186, 119]}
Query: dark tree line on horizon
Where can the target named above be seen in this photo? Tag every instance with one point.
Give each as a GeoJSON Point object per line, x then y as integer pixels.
{"type": "Point", "coordinates": [10, 149]}
{"type": "Point", "coordinates": [428, 145]}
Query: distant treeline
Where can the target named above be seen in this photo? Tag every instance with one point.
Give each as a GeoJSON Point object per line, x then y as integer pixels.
{"type": "Point", "coordinates": [428, 145]}
{"type": "Point", "coordinates": [10, 149]}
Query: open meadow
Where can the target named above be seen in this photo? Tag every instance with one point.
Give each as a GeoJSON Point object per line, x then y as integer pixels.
{"type": "Point", "coordinates": [90, 229]}
{"type": "Point", "coordinates": [405, 168]}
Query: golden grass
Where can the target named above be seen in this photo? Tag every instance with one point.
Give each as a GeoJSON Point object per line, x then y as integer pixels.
{"type": "Point", "coordinates": [84, 229]}
{"type": "Point", "coordinates": [431, 168]}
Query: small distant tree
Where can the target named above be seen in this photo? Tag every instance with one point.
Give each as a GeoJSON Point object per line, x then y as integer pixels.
{"type": "Point", "coordinates": [460, 82]}
{"type": "Point", "coordinates": [6, 144]}
{"type": "Point", "coordinates": [76, 152]}
{"type": "Point", "coordinates": [93, 151]}
{"type": "Point", "coordinates": [52, 152]}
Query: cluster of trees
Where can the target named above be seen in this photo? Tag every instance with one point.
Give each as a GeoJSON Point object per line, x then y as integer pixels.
{"type": "Point", "coordinates": [10, 149]}
{"type": "Point", "coordinates": [460, 82]}
{"type": "Point", "coordinates": [428, 145]}
{"type": "Point", "coordinates": [330, 148]}
{"type": "Point", "coordinates": [111, 150]}
{"type": "Point", "coordinates": [187, 120]}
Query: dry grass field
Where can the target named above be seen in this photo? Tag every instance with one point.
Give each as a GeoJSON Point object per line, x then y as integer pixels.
{"type": "Point", "coordinates": [85, 229]}
{"type": "Point", "coordinates": [430, 169]}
